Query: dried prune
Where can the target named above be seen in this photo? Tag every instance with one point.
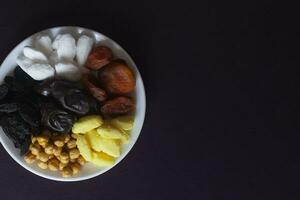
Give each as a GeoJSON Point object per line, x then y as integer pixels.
{"type": "Point", "coordinates": [94, 88]}
{"type": "Point", "coordinates": [9, 107]}
{"type": "Point", "coordinates": [3, 91]}
{"type": "Point", "coordinates": [118, 106]}
{"type": "Point", "coordinates": [14, 85]}
{"type": "Point", "coordinates": [76, 102]}
{"type": "Point", "coordinates": [44, 88]}
{"type": "Point", "coordinates": [98, 57]}
{"type": "Point", "coordinates": [57, 119]}
{"type": "Point", "coordinates": [30, 114]}
{"type": "Point", "coordinates": [15, 128]}
{"type": "Point", "coordinates": [117, 77]}
{"type": "Point", "coordinates": [70, 97]}
{"type": "Point", "coordinates": [24, 146]}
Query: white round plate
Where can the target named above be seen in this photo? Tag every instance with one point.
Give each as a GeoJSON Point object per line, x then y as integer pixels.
{"type": "Point", "coordinates": [89, 170]}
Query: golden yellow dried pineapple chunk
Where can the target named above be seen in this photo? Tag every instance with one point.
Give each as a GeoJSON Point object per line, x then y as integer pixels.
{"type": "Point", "coordinates": [87, 123]}
{"type": "Point", "coordinates": [84, 147]}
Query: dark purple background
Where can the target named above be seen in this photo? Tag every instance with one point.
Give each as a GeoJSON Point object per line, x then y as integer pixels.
{"type": "Point", "coordinates": [223, 93]}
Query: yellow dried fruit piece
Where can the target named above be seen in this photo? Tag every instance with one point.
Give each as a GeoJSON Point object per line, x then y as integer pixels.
{"type": "Point", "coordinates": [86, 124]}
{"type": "Point", "coordinates": [84, 147]}
{"type": "Point", "coordinates": [102, 159]}
{"type": "Point", "coordinates": [99, 143]}
{"type": "Point", "coordinates": [123, 122]}
{"type": "Point", "coordinates": [94, 139]}
{"type": "Point", "coordinates": [109, 132]}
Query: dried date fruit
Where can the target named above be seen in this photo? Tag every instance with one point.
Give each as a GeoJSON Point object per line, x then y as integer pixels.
{"type": "Point", "coordinates": [70, 97]}
{"type": "Point", "coordinates": [15, 129]}
{"type": "Point", "coordinates": [117, 78]}
{"type": "Point", "coordinates": [118, 106]}
{"type": "Point", "coordinates": [57, 119]}
{"type": "Point", "coordinates": [13, 84]}
{"type": "Point", "coordinates": [98, 57]}
{"type": "Point", "coordinates": [9, 107]}
{"type": "Point", "coordinates": [30, 115]}
{"type": "Point", "coordinates": [3, 91]}
{"type": "Point", "coordinates": [44, 88]}
{"type": "Point", "coordinates": [95, 90]}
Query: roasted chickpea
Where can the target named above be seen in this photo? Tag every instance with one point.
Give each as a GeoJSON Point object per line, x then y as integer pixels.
{"type": "Point", "coordinates": [29, 158]}
{"type": "Point", "coordinates": [49, 149]}
{"type": "Point", "coordinates": [43, 157]}
{"type": "Point", "coordinates": [59, 143]}
{"type": "Point", "coordinates": [73, 135]}
{"type": "Point", "coordinates": [33, 139]}
{"type": "Point", "coordinates": [57, 150]}
{"type": "Point", "coordinates": [73, 160]}
{"type": "Point", "coordinates": [44, 144]}
{"type": "Point", "coordinates": [35, 149]}
{"type": "Point", "coordinates": [81, 160]}
{"type": "Point", "coordinates": [42, 165]}
{"type": "Point", "coordinates": [42, 139]}
{"type": "Point", "coordinates": [66, 137]}
{"type": "Point", "coordinates": [75, 167]}
{"type": "Point", "coordinates": [61, 166]}
{"type": "Point", "coordinates": [53, 164]}
{"type": "Point", "coordinates": [74, 153]}
{"type": "Point", "coordinates": [71, 144]}
{"type": "Point", "coordinates": [66, 172]}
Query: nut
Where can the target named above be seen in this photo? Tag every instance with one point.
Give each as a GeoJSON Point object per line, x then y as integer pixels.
{"type": "Point", "coordinates": [42, 139]}
{"type": "Point", "coordinates": [57, 150]}
{"type": "Point", "coordinates": [49, 149]}
{"type": "Point", "coordinates": [81, 160]}
{"type": "Point", "coordinates": [62, 166]}
{"type": "Point", "coordinates": [43, 157]}
{"type": "Point", "coordinates": [35, 149]}
{"type": "Point", "coordinates": [29, 158]}
{"type": "Point", "coordinates": [75, 168]}
{"type": "Point", "coordinates": [73, 135]}
{"type": "Point", "coordinates": [71, 144]}
{"type": "Point", "coordinates": [117, 78]}
{"type": "Point", "coordinates": [59, 143]}
{"type": "Point", "coordinates": [53, 164]}
{"type": "Point", "coordinates": [42, 165]}
{"type": "Point", "coordinates": [66, 172]}
{"type": "Point", "coordinates": [98, 57]}
{"type": "Point", "coordinates": [74, 153]}
{"type": "Point", "coordinates": [118, 106]}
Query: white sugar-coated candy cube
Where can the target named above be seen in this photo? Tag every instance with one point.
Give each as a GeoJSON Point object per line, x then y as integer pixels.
{"type": "Point", "coordinates": [40, 71]}
{"type": "Point", "coordinates": [84, 46]}
{"type": "Point", "coordinates": [24, 62]}
{"type": "Point", "coordinates": [55, 42]}
{"type": "Point", "coordinates": [34, 55]}
{"type": "Point", "coordinates": [44, 44]}
{"type": "Point", "coordinates": [67, 71]}
{"type": "Point", "coordinates": [66, 47]}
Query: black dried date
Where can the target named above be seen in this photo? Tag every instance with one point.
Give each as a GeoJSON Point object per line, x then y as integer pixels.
{"type": "Point", "coordinates": [57, 119]}
{"type": "Point", "coordinates": [9, 107]}
{"type": "Point", "coordinates": [3, 91]}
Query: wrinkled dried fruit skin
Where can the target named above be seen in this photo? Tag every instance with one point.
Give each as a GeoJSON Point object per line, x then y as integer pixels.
{"type": "Point", "coordinates": [98, 57]}
{"type": "Point", "coordinates": [56, 119]}
{"type": "Point", "coordinates": [16, 129]}
{"type": "Point", "coordinates": [118, 106]}
{"type": "Point", "coordinates": [76, 102]}
{"type": "Point", "coordinates": [94, 89]}
{"type": "Point", "coordinates": [117, 78]}
{"type": "Point", "coordinates": [9, 107]}
{"type": "Point", "coordinates": [44, 88]}
{"type": "Point", "coordinates": [3, 91]}
{"type": "Point", "coordinates": [14, 85]}
{"type": "Point", "coordinates": [30, 115]}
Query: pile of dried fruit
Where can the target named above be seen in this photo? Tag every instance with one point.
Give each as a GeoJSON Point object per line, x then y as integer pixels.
{"type": "Point", "coordinates": [79, 93]}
